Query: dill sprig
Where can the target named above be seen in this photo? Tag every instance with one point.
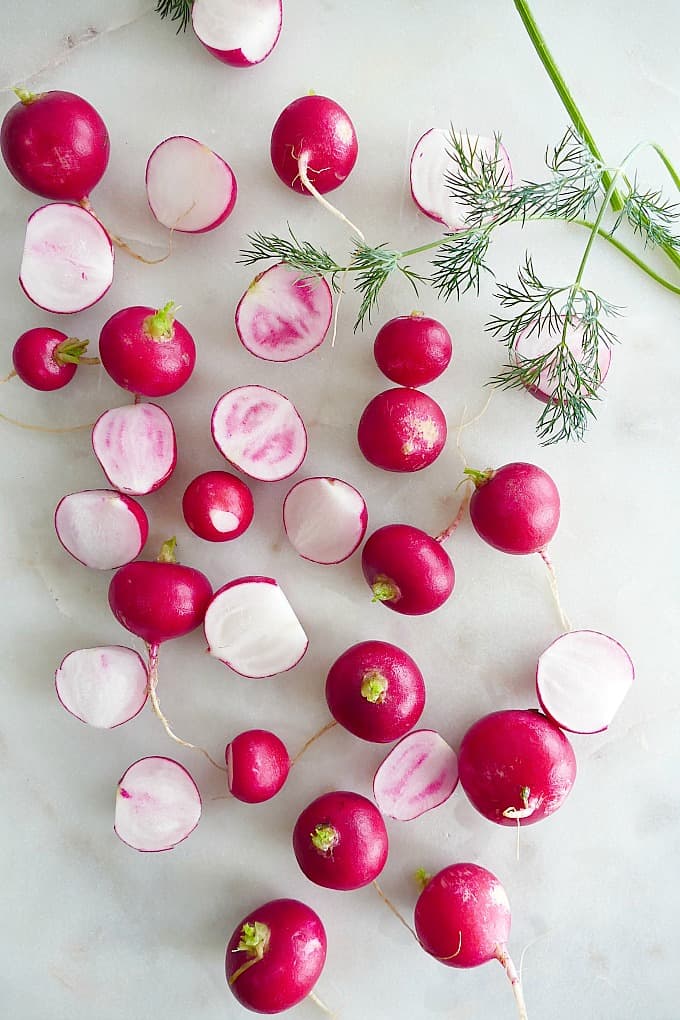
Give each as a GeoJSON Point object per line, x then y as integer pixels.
{"type": "Point", "coordinates": [478, 180]}
{"type": "Point", "coordinates": [459, 261]}
{"type": "Point", "coordinates": [653, 217]}
{"type": "Point", "coordinates": [176, 10]}
{"type": "Point", "coordinates": [300, 255]}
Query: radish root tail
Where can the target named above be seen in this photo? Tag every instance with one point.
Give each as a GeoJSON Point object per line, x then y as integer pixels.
{"type": "Point", "coordinates": [118, 242]}
{"type": "Point", "coordinates": [305, 747]}
{"type": "Point", "coordinates": [320, 1004]}
{"type": "Point", "coordinates": [447, 532]}
{"type": "Point", "coordinates": [508, 966]}
{"type": "Point", "coordinates": [44, 428]}
{"type": "Point", "coordinates": [555, 591]}
{"type": "Point", "coordinates": [303, 170]}
{"type": "Point", "coordinates": [397, 914]}
{"type": "Point", "coordinates": [7, 378]}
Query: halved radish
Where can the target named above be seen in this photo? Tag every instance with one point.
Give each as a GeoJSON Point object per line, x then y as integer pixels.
{"type": "Point", "coordinates": [67, 263]}
{"type": "Point", "coordinates": [325, 519]}
{"type": "Point", "coordinates": [532, 344]}
{"type": "Point", "coordinates": [284, 315]}
{"type": "Point", "coordinates": [188, 186]}
{"type": "Point", "coordinates": [259, 431]}
{"type": "Point", "coordinates": [157, 805]}
{"type": "Point", "coordinates": [136, 447]}
{"type": "Point", "coordinates": [238, 32]}
{"type": "Point", "coordinates": [251, 626]}
{"type": "Point", "coordinates": [418, 774]}
{"type": "Point", "coordinates": [101, 528]}
{"type": "Point", "coordinates": [582, 679]}
{"type": "Point", "coordinates": [104, 686]}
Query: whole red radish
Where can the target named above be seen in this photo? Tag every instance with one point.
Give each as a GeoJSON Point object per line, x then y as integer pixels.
{"type": "Point", "coordinates": [340, 841]}
{"type": "Point", "coordinates": [313, 137]}
{"type": "Point", "coordinates": [515, 508]}
{"type": "Point", "coordinates": [217, 506]}
{"type": "Point", "coordinates": [257, 765]}
{"type": "Point", "coordinates": [147, 351]}
{"type": "Point", "coordinates": [407, 570]}
{"type": "Point", "coordinates": [412, 350]}
{"type": "Point", "coordinates": [238, 34]}
{"type": "Point", "coordinates": [46, 359]}
{"type": "Point", "coordinates": [402, 429]}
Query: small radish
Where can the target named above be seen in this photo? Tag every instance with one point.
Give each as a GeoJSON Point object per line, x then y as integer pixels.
{"type": "Point", "coordinates": [284, 315]}
{"type": "Point", "coordinates": [251, 627]}
{"type": "Point", "coordinates": [407, 570]}
{"type": "Point", "coordinates": [260, 432]}
{"type": "Point", "coordinates": [257, 766]}
{"type": "Point", "coordinates": [412, 350]}
{"type": "Point", "coordinates": [534, 344]}
{"type": "Point", "coordinates": [419, 774]}
{"type": "Point", "coordinates": [101, 528]}
{"type": "Point", "coordinates": [157, 805]}
{"type": "Point", "coordinates": [582, 679]}
{"type": "Point", "coordinates": [237, 33]}
{"type": "Point", "coordinates": [313, 140]}
{"type": "Point", "coordinates": [402, 429]}
{"type": "Point", "coordinates": [376, 691]}
{"type": "Point", "coordinates": [46, 359]}
{"type": "Point", "coordinates": [217, 506]}
{"type": "Point", "coordinates": [340, 841]}
{"type": "Point", "coordinates": [136, 447]}
{"type": "Point", "coordinates": [325, 519]}
{"type": "Point", "coordinates": [515, 508]}
{"type": "Point", "coordinates": [275, 956]}
{"type": "Point", "coordinates": [103, 687]}
{"type": "Point", "coordinates": [147, 351]}
{"type": "Point", "coordinates": [188, 186]}
{"type": "Point", "coordinates": [516, 766]}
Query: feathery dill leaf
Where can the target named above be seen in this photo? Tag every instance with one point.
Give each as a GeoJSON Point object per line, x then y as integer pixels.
{"type": "Point", "coordinates": [176, 10]}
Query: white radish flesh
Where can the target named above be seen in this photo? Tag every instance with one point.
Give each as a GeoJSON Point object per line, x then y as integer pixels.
{"type": "Point", "coordinates": [135, 445]}
{"type": "Point", "coordinates": [189, 187]}
{"type": "Point", "coordinates": [157, 805]}
{"type": "Point", "coordinates": [532, 344]}
{"type": "Point", "coordinates": [260, 432]}
{"type": "Point", "coordinates": [325, 519]}
{"type": "Point", "coordinates": [104, 686]}
{"type": "Point", "coordinates": [101, 528]}
{"type": "Point", "coordinates": [239, 32]}
{"type": "Point", "coordinates": [419, 774]}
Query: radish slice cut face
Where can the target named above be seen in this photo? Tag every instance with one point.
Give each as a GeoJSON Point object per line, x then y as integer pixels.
{"type": "Point", "coordinates": [157, 805]}
{"type": "Point", "coordinates": [581, 680]}
{"type": "Point", "coordinates": [251, 626]}
{"type": "Point", "coordinates": [283, 316]}
{"type": "Point", "coordinates": [103, 687]}
{"type": "Point", "coordinates": [418, 774]}
{"type": "Point", "coordinates": [189, 187]}
{"type": "Point", "coordinates": [260, 432]}
{"type": "Point", "coordinates": [101, 528]}
{"type": "Point", "coordinates": [238, 32]}
{"type": "Point", "coordinates": [532, 344]}
{"type": "Point", "coordinates": [135, 445]}
{"type": "Point", "coordinates": [325, 519]}
{"type": "Point", "coordinates": [68, 258]}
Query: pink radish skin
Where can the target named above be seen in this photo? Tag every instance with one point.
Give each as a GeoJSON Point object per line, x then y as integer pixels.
{"type": "Point", "coordinates": [376, 691]}
{"type": "Point", "coordinates": [325, 519]}
{"type": "Point", "coordinates": [238, 34]}
{"type": "Point", "coordinates": [275, 956]}
{"type": "Point", "coordinates": [257, 766]}
{"type": "Point", "coordinates": [157, 805]}
{"type": "Point", "coordinates": [136, 447]}
{"type": "Point", "coordinates": [55, 144]}
{"type": "Point", "coordinates": [101, 528]}
{"type": "Point", "coordinates": [217, 506]}
{"type": "Point", "coordinates": [419, 774]}
{"type": "Point", "coordinates": [283, 315]}
{"type": "Point", "coordinates": [412, 350]}
{"type": "Point", "coordinates": [189, 187]}
{"type": "Point", "coordinates": [340, 841]}
{"type": "Point", "coordinates": [516, 766]}
{"type": "Point", "coordinates": [407, 570]}
{"type": "Point", "coordinates": [103, 687]}
{"type": "Point", "coordinates": [531, 344]}
{"type": "Point", "coordinates": [260, 432]}
{"type": "Point", "coordinates": [147, 350]}
{"type": "Point", "coordinates": [46, 359]}
{"type": "Point", "coordinates": [515, 508]}
{"type": "Point", "coordinates": [316, 132]}
{"type": "Point", "coordinates": [402, 430]}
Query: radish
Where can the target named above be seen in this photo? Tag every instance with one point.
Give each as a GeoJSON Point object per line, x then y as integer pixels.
{"type": "Point", "coordinates": [402, 430]}
{"type": "Point", "coordinates": [284, 315]}
{"type": "Point", "coordinates": [534, 344]}
{"type": "Point", "coordinates": [157, 805]}
{"type": "Point", "coordinates": [55, 144]}
{"type": "Point", "coordinates": [340, 841]}
{"type": "Point", "coordinates": [217, 506]}
{"type": "Point", "coordinates": [419, 774]}
{"type": "Point", "coordinates": [515, 508]}
{"type": "Point", "coordinates": [103, 687]}
{"type": "Point", "coordinates": [407, 570]}
{"type": "Point", "coordinates": [376, 691]}
{"type": "Point", "coordinates": [313, 136]}
{"type": "Point", "coordinates": [412, 349]}
{"type": "Point", "coordinates": [101, 528]}
{"type": "Point", "coordinates": [67, 264]}
{"type": "Point", "coordinates": [582, 679]}
{"type": "Point", "coordinates": [257, 766]}
{"type": "Point", "coordinates": [325, 519]}
{"type": "Point", "coordinates": [147, 350]}
{"type": "Point", "coordinates": [238, 33]}
{"type": "Point", "coordinates": [516, 766]}
{"type": "Point", "coordinates": [275, 956]}
{"type": "Point", "coordinates": [46, 359]}
{"type": "Point", "coordinates": [260, 432]}
{"type": "Point", "coordinates": [188, 186]}
{"type": "Point", "coordinates": [136, 447]}
{"type": "Point", "coordinates": [251, 627]}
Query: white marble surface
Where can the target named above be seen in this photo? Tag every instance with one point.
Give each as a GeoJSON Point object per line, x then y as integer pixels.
{"type": "Point", "coordinates": [92, 929]}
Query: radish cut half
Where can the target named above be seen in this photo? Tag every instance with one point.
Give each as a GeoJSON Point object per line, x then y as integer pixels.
{"type": "Point", "coordinates": [283, 315]}
{"type": "Point", "coordinates": [582, 679]}
{"type": "Point", "coordinates": [532, 344]}
{"type": "Point", "coordinates": [157, 805]}
{"type": "Point", "coordinates": [251, 626]}
{"type": "Point", "coordinates": [101, 528]}
{"type": "Point", "coordinates": [103, 687]}
{"type": "Point", "coordinates": [325, 519]}
{"type": "Point", "coordinates": [238, 32]}
{"type": "Point", "coordinates": [259, 431]}
{"type": "Point", "coordinates": [68, 258]}
{"type": "Point", "coordinates": [418, 774]}
{"type": "Point", "coordinates": [135, 445]}
{"type": "Point", "coordinates": [188, 186]}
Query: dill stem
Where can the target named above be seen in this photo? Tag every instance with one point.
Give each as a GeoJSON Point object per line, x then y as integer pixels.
{"type": "Point", "coordinates": [675, 176]}
{"type": "Point", "coordinates": [635, 259]}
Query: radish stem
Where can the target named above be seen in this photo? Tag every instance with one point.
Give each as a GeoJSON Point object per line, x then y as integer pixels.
{"type": "Point", "coordinates": [447, 532]}
{"type": "Point", "coordinates": [505, 961]}
{"type": "Point", "coordinates": [308, 744]}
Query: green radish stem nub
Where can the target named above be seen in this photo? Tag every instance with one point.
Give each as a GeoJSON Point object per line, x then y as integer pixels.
{"type": "Point", "coordinates": [374, 687]}
{"type": "Point", "coordinates": [72, 351]}
{"type": "Point", "coordinates": [324, 838]}
{"type": "Point", "coordinates": [160, 325]}
{"type": "Point", "coordinates": [384, 590]}
{"type": "Point", "coordinates": [254, 941]}
{"type": "Point", "coordinates": [479, 477]}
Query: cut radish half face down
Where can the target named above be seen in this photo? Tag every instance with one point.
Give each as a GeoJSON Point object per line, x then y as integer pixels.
{"type": "Point", "coordinates": [260, 432]}
{"type": "Point", "coordinates": [157, 805]}
{"type": "Point", "coordinates": [104, 686]}
{"type": "Point", "coordinates": [101, 528]}
{"type": "Point", "coordinates": [68, 258]}
{"type": "Point", "coordinates": [283, 315]}
{"type": "Point", "coordinates": [582, 679]}
{"type": "Point", "coordinates": [419, 774]}
{"type": "Point", "coordinates": [238, 32]}
{"type": "Point", "coordinates": [534, 344]}
{"type": "Point", "coordinates": [136, 447]}
{"type": "Point", "coordinates": [188, 186]}
{"type": "Point", "coordinates": [251, 627]}
{"type": "Point", "coordinates": [325, 519]}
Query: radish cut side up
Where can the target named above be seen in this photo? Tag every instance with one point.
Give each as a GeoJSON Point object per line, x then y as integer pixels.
{"type": "Point", "coordinates": [189, 187]}
{"type": "Point", "coordinates": [239, 32]}
{"type": "Point", "coordinates": [283, 315]}
{"type": "Point", "coordinates": [103, 687]}
{"type": "Point", "coordinates": [325, 519]}
{"type": "Point", "coordinates": [582, 679]}
{"type": "Point", "coordinates": [135, 445]}
{"type": "Point", "coordinates": [251, 626]}
{"type": "Point", "coordinates": [68, 258]}
{"type": "Point", "coordinates": [157, 805]}
{"type": "Point", "coordinates": [419, 774]}
{"type": "Point", "coordinates": [260, 432]}
{"type": "Point", "coordinates": [532, 344]}
{"type": "Point", "coordinates": [101, 528]}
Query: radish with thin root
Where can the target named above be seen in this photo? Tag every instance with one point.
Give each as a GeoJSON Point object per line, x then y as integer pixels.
{"type": "Point", "coordinates": [515, 508]}
{"type": "Point", "coordinates": [582, 679]}
{"type": "Point", "coordinates": [260, 432]}
{"type": "Point", "coordinates": [251, 627]}
{"type": "Point", "coordinates": [402, 429]}
{"type": "Point", "coordinates": [136, 447]}
{"type": "Point", "coordinates": [257, 766]}
{"type": "Point", "coordinates": [408, 570]}
{"type": "Point", "coordinates": [157, 805]}
{"type": "Point", "coordinates": [217, 506]}
{"type": "Point", "coordinates": [532, 344]}
{"type": "Point", "coordinates": [239, 34]}
{"type": "Point", "coordinates": [101, 528]}
{"type": "Point", "coordinates": [147, 351]}
{"type": "Point", "coordinates": [46, 359]}
{"type": "Point", "coordinates": [188, 186]}
{"type": "Point", "coordinates": [284, 315]}
{"type": "Point", "coordinates": [103, 687]}
{"type": "Point", "coordinates": [325, 519]}
{"type": "Point", "coordinates": [340, 841]}
{"type": "Point", "coordinates": [412, 350]}
{"type": "Point", "coordinates": [419, 774]}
